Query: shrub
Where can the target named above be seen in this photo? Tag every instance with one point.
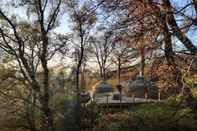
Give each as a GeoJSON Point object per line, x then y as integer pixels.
{"type": "Point", "coordinates": [165, 116]}
{"type": "Point", "coordinates": [116, 122]}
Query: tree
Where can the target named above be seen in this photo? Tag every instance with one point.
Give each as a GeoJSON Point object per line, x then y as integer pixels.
{"type": "Point", "coordinates": [146, 13]}
{"type": "Point", "coordinates": [168, 8]}
{"type": "Point", "coordinates": [102, 48]}
{"type": "Point", "coordinates": [29, 54]}
{"type": "Point", "coordinates": [144, 45]}
{"type": "Point", "coordinates": [19, 104]}
{"type": "Point", "coordinates": [121, 53]}
{"type": "Point", "coordinates": [159, 18]}
{"type": "Point", "coordinates": [83, 18]}
{"type": "Point", "coordinates": [138, 22]}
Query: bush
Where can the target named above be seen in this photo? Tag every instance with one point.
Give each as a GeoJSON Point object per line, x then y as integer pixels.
{"type": "Point", "coordinates": [116, 122]}
{"type": "Point", "coordinates": [166, 116]}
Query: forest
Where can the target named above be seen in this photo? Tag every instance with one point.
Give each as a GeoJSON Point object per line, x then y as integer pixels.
{"type": "Point", "coordinates": [98, 65]}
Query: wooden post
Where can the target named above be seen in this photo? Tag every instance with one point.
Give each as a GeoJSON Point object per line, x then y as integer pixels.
{"type": "Point", "coordinates": [133, 97]}
{"type": "Point", "coordinates": [120, 100]}
{"type": "Point", "coordinates": [159, 96]}
{"type": "Point", "coordinates": [107, 102]}
{"type": "Point", "coordinates": [119, 87]}
{"type": "Point", "coordinates": [146, 97]}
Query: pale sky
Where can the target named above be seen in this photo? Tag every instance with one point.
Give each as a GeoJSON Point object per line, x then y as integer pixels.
{"type": "Point", "coordinates": [64, 23]}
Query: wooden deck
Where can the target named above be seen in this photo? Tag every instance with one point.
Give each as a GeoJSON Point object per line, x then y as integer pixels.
{"type": "Point", "coordinates": [104, 99]}
{"type": "Point", "coordinates": [126, 101]}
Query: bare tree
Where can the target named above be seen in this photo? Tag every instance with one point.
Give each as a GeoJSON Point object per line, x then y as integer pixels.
{"type": "Point", "coordinates": [178, 32]}
{"type": "Point", "coordinates": [121, 53]}
{"type": "Point", "coordinates": [102, 48]}
{"type": "Point", "coordinates": [83, 17]}
{"type": "Point", "coordinates": [159, 19]}
{"type": "Point", "coordinates": [29, 54]}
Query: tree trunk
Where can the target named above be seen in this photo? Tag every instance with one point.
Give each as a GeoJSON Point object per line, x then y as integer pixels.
{"type": "Point", "coordinates": [30, 111]}
{"type": "Point", "coordinates": [195, 5]}
{"type": "Point", "coordinates": [104, 74]}
{"type": "Point", "coordinates": [78, 103]}
{"type": "Point", "coordinates": [101, 73]}
{"type": "Point", "coordinates": [142, 64]}
{"type": "Point", "coordinates": [119, 68]}
{"type": "Point", "coordinates": [83, 80]}
{"type": "Point", "coordinates": [177, 31]}
{"type": "Point", "coordinates": [48, 117]}
{"type": "Point", "coordinates": [169, 53]}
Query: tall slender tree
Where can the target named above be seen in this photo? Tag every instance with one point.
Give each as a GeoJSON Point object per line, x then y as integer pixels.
{"type": "Point", "coordinates": [121, 53]}
{"type": "Point", "coordinates": [102, 48]}
{"type": "Point", "coordinates": [29, 54]}
{"type": "Point", "coordinates": [83, 18]}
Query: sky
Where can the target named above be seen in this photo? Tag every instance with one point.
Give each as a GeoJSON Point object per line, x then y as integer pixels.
{"type": "Point", "coordinates": [64, 27]}
{"type": "Point", "coordinates": [64, 21]}
{"type": "Point", "coordinates": [192, 34]}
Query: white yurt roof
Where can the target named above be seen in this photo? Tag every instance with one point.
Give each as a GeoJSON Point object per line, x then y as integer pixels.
{"type": "Point", "coordinates": [139, 82]}
{"type": "Point", "coordinates": [142, 83]}
{"type": "Point", "coordinates": [103, 87]}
